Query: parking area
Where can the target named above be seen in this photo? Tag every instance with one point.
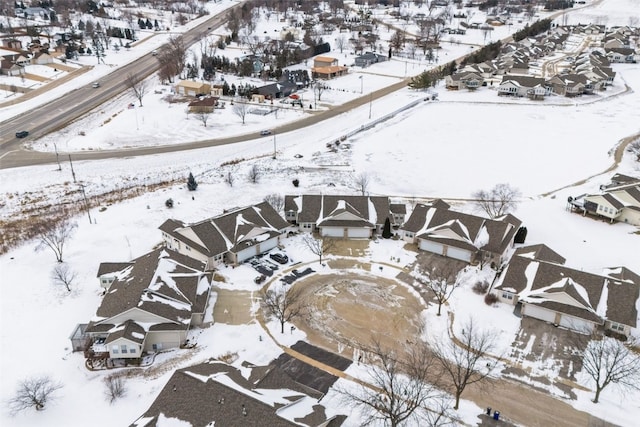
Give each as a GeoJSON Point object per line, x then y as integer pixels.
{"type": "Point", "coordinates": [266, 264]}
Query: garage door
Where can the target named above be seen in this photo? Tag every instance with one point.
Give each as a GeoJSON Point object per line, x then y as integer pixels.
{"type": "Point", "coordinates": [427, 245]}
{"type": "Point", "coordinates": [245, 254]}
{"type": "Point", "coordinates": [538, 313]}
{"type": "Point", "coordinates": [333, 231]}
{"type": "Point", "coordinates": [358, 233]}
{"type": "Point", "coordinates": [576, 324]}
{"type": "Point", "coordinates": [457, 253]}
{"type": "Point", "coordinates": [268, 244]}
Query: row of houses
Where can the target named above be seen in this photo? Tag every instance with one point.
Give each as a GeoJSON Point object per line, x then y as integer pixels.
{"type": "Point", "coordinates": [14, 63]}
{"type": "Point", "coordinates": [151, 302]}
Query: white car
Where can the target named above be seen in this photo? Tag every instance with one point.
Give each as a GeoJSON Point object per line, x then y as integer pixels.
{"type": "Point", "coordinates": [265, 132]}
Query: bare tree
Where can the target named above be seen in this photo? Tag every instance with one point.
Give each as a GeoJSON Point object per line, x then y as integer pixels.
{"type": "Point", "coordinates": [500, 200]}
{"type": "Point", "coordinates": [401, 388]}
{"type": "Point", "coordinates": [172, 58]}
{"type": "Point", "coordinates": [283, 305]}
{"type": "Point", "coordinates": [318, 247]}
{"type": "Point", "coordinates": [362, 181]}
{"type": "Point", "coordinates": [114, 387]}
{"type": "Point", "coordinates": [608, 361]}
{"type": "Point", "coordinates": [254, 174]}
{"type": "Point", "coordinates": [203, 114]}
{"type": "Point", "coordinates": [275, 200]}
{"type": "Point", "coordinates": [318, 89]}
{"type": "Point", "coordinates": [240, 109]}
{"type": "Point", "coordinates": [465, 362]}
{"type": "Point", "coordinates": [230, 178]}
{"type": "Point", "coordinates": [440, 281]}
{"type": "Point", "coordinates": [341, 42]}
{"type": "Point", "coordinates": [33, 392]}
{"type": "Point", "coordinates": [63, 275]}
{"type": "Point", "coordinates": [55, 236]}
{"type": "Point", "coordinates": [137, 86]}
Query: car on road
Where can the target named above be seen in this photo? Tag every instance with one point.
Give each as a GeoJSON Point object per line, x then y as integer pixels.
{"type": "Point", "coordinates": [154, 52]}
{"type": "Point", "coordinates": [22, 134]}
{"type": "Point", "coordinates": [279, 257]}
{"type": "Point", "coordinates": [96, 85]}
{"type": "Point", "coordinates": [265, 132]}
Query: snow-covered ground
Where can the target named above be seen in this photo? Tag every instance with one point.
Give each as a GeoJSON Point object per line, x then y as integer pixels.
{"type": "Point", "coordinates": [449, 148]}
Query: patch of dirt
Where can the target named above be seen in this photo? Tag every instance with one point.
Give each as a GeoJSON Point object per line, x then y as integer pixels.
{"type": "Point", "coordinates": [345, 264]}
{"type": "Point", "coordinates": [350, 248]}
{"type": "Point", "coordinates": [342, 309]}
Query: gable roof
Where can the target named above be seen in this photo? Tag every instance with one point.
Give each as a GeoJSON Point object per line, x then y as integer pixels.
{"type": "Point", "coordinates": [214, 393]}
{"type": "Point", "coordinates": [540, 252]}
{"type": "Point", "coordinates": [329, 210]}
{"type": "Point", "coordinates": [436, 222]}
{"type": "Point", "coordinates": [577, 293]}
{"type": "Point", "coordinates": [161, 282]}
{"type": "Point", "coordinates": [231, 231]}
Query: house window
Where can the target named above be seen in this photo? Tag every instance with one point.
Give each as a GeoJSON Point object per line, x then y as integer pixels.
{"type": "Point", "coordinates": [617, 327]}
{"type": "Point", "coordinates": [115, 350]}
{"type": "Point", "coordinates": [187, 248]}
{"type": "Point", "coordinates": [123, 348]}
{"type": "Point", "coordinates": [507, 295]}
{"type": "Point", "coordinates": [104, 280]}
{"type": "Point", "coordinates": [410, 235]}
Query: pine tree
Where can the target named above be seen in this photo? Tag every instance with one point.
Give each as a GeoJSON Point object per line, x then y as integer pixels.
{"type": "Point", "coordinates": [191, 183]}
{"type": "Point", "coordinates": [386, 230]}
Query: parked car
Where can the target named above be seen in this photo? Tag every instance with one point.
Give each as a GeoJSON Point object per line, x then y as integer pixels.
{"type": "Point", "coordinates": [265, 132]}
{"type": "Point", "coordinates": [22, 134]}
{"type": "Point", "coordinates": [279, 257]}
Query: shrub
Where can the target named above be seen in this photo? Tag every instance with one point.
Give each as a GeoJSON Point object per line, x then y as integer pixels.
{"type": "Point", "coordinates": [295, 182]}
{"type": "Point", "coordinates": [169, 203]}
{"type": "Point", "coordinates": [481, 287]}
{"type": "Point", "coordinates": [490, 299]}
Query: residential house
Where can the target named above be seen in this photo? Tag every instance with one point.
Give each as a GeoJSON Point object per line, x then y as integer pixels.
{"type": "Point", "coordinates": [398, 213]}
{"type": "Point", "coordinates": [12, 44]}
{"type": "Point", "coordinates": [108, 272]}
{"type": "Point", "coordinates": [338, 216]}
{"type": "Point", "coordinates": [369, 58]}
{"type": "Point", "coordinates": [215, 393]}
{"type": "Point", "coordinates": [151, 304]}
{"type": "Point", "coordinates": [619, 203]}
{"type": "Point", "coordinates": [621, 54]}
{"type": "Point", "coordinates": [531, 87]}
{"type": "Point", "coordinates": [9, 68]}
{"type": "Point", "coordinates": [232, 237]}
{"type": "Point", "coordinates": [464, 79]}
{"type": "Point", "coordinates": [326, 67]}
{"type": "Point", "coordinates": [570, 84]}
{"type": "Point", "coordinates": [281, 89]}
{"type": "Point", "coordinates": [537, 281]}
{"type": "Point", "coordinates": [41, 58]}
{"type": "Point", "coordinates": [435, 228]}
{"type": "Point", "coordinates": [205, 104]}
{"type": "Point", "coordinates": [191, 88]}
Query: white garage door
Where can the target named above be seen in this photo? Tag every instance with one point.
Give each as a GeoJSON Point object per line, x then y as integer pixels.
{"type": "Point", "coordinates": [576, 324]}
{"type": "Point", "coordinates": [333, 231]}
{"type": "Point", "coordinates": [538, 313]}
{"type": "Point", "coordinates": [245, 254]}
{"type": "Point", "coordinates": [359, 233]}
{"type": "Point", "coordinates": [268, 244]}
{"type": "Point", "coordinates": [427, 245]}
{"type": "Point", "coordinates": [457, 253]}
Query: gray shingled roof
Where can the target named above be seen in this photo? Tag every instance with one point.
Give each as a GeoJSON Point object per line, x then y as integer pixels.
{"type": "Point", "coordinates": [540, 252]}
{"type": "Point", "coordinates": [112, 267]}
{"type": "Point", "coordinates": [161, 282]}
{"type": "Point", "coordinates": [232, 231]}
{"type": "Point", "coordinates": [316, 208]}
{"type": "Point", "coordinates": [194, 395]}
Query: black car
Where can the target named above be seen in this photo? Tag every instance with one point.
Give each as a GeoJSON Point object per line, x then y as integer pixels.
{"type": "Point", "coordinates": [279, 257]}
{"type": "Point", "coordinates": [22, 134]}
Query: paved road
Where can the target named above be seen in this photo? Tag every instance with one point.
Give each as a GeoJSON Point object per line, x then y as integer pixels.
{"type": "Point", "coordinates": [56, 114]}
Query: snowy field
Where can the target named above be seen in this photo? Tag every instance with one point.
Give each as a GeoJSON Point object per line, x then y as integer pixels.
{"type": "Point", "coordinates": [449, 148]}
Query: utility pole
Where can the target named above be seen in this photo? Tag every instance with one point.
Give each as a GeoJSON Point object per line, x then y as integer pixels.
{"type": "Point", "coordinates": [274, 145]}
{"type": "Point", "coordinates": [57, 156]}
{"type": "Point", "coordinates": [370, 100]}
{"type": "Point", "coordinates": [73, 173]}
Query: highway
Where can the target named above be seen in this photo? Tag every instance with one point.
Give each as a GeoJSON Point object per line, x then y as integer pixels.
{"type": "Point", "coordinates": [57, 114]}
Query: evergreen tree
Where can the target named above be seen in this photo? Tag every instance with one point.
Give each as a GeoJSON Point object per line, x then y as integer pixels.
{"type": "Point", "coordinates": [386, 230]}
{"type": "Point", "coordinates": [191, 183]}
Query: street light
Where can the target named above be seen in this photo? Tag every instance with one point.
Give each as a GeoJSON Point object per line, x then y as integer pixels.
{"type": "Point", "coordinates": [361, 84]}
